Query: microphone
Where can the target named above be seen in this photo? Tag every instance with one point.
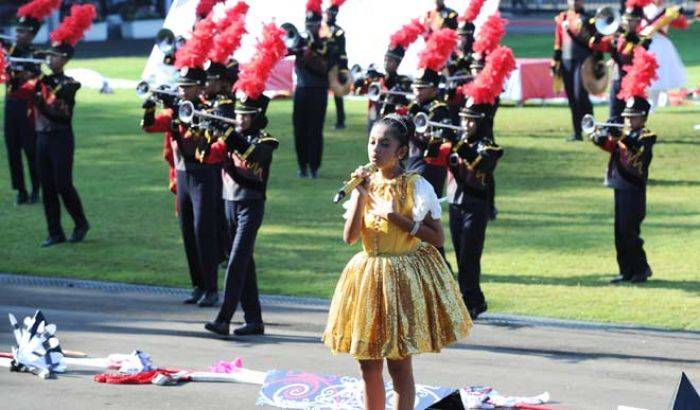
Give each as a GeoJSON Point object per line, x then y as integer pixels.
{"type": "Point", "coordinates": [352, 184]}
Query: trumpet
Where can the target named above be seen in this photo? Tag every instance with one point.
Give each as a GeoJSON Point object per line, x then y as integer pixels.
{"type": "Point", "coordinates": [186, 112]}
{"type": "Point", "coordinates": [422, 124]}
{"type": "Point", "coordinates": [454, 78]}
{"type": "Point", "coordinates": [607, 20]}
{"type": "Point", "coordinates": [293, 40]}
{"type": "Point", "coordinates": [20, 60]}
{"type": "Point", "coordinates": [589, 124]}
{"type": "Point", "coordinates": [144, 90]}
{"type": "Point", "coordinates": [168, 44]}
{"type": "Point", "coordinates": [374, 92]}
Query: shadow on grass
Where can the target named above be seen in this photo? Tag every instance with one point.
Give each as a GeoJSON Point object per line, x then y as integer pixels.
{"type": "Point", "coordinates": [593, 280]}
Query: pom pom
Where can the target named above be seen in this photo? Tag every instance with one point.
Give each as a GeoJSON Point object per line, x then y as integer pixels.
{"type": "Point", "coordinates": [73, 27]}
{"type": "Point", "coordinates": [680, 23]}
{"type": "Point", "coordinates": [38, 9]}
{"type": "Point", "coordinates": [489, 83]}
{"type": "Point", "coordinates": [473, 10]}
{"type": "Point", "coordinates": [314, 6]}
{"type": "Point", "coordinates": [231, 15]}
{"type": "Point", "coordinates": [228, 41]}
{"type": "Point", "coordinates": [195, 52]}
{"type": "Point", "coordinates": [490, 34]}
{"type": "Point", "coordinates": [407, 34]}
{"type": "Point", "coordinates": [269, 51]}
{"type": "Point", "coordinates": [204, 7]}
{"type": "Point", "coordinates": [637, 3]}
{"type": "Point", "coordinates": [439, 48]}
{"type": "Point", "coordinates": [640, 75]}
{"type": "Point", "coordinates": [337, 3]}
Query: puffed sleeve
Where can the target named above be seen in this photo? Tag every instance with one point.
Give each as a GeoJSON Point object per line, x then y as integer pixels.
{"type": "Point", "coordinates": [425, 200]}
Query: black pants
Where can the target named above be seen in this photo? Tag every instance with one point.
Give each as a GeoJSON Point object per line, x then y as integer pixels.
{"type": "Point", "coordinates": [244, 220]}
{"type": "Point", "coordinates": [197, 200]}
{"type": "Point", "coordinates": [616, 105]}
{"type": "Point", "coordinates": [468, 230]}
{"type": "Point", "coordinates": [223, 232]}
{"type": "Point", "coordinates": [339, 110]}
{"type": "Point", "coordinates": [308, 117]}
{"type": "Point", "coordinates": [55, 168]}
{"type": "Point", "coordinates": [579, 103]}
{"type": "Point", "coordinates": [630, 210]}
{"type": "Point", "coordinates": [20, 135]}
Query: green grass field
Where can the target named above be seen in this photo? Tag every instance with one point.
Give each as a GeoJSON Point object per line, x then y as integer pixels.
{"type": "Point", "coordinates": [550, 253]}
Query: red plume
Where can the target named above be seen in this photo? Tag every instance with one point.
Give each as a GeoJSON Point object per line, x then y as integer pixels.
{"type": "Point", "coordinates": [407, 34]}
{"type": "Point", "coordinates": [490, 34]}
{"type": "Point", "coordinates": [680, 23]}
{"type": "Point", "coordinates": [269, 51]}
{"type": "Point", "coordinates": [204, 7]}
{"type": "Point", "coordinates": [637, 3]}
{"type": "Point", "coordinates": [337, 3]}
{"type": "Point", "coordinates": [314, 6]}
{"type": "Point", "coordinates": [3, 66]}
{"type": "Point", "coordinates": [640, 74]}
{"type": "Point", "coordinates": [38, 9]}
{"type": "Point", "coordinates": [489, 83]}
{"type": "Point", "coordinates": [440, 46]}
{"type": "Point", "coordinates": [196, 50]}
{"type": "Point", "coordinates": [73, 27]}
{"type": "Point", "coordinates": [227, 42]}
{"type": "Point", "coordinates": [473, 10]}
{"type": "Point", "coordinates": [232, 15]}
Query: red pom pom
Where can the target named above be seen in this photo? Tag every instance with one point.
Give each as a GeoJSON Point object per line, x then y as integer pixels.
{"type": "Point", "coordinates": [680, 23]}
{"type": "Point", "coordinates": [473, 10]}
{"type": "Point", "coordinates": [637, 3]}
{"type": "Point", "coordinates": [269, 51]}
{"type": "Point", "coordinates": [489, 83]}
{"type": "Point", "coordinates": [490, 34]}
{"type": "Point", "coordinates": [407, 34]}
{"type": "Point", "coordinates": [640, 75]}
{"type": "Point", "coordinates": [439, 48]}
{"type": "Point", "coordinates": [227, 42]}
{"type": "Point", "coordinates": [196, 50]}
{"type": "Point", "coordinates": [314, 6]}
{"type": "Point", "coordinates": [204, 7]}
{"type": "Point", "coordinates": [337, 3]}
{"type": "Point", "coordinates": [38, 9]}
{"type": "Point", "coordinates": [73, 27]}
{"type": "Point", "coordinates": [232, 14]}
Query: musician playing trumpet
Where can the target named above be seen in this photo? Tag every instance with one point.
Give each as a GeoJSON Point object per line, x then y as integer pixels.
{"type": "Point", "coordinates": [630, 149]}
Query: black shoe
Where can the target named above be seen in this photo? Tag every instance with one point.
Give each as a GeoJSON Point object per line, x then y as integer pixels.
{"type": "Point", "coordinates": [197, 294]}
{"type": "Point", "coordinates": [21, 198]}
{"type": "Point", "coordinates": [53, 240]}
{"type": "Point", "coordinates": [34, 197]}
{"type": "Point", "coordinates": [209, 299]}
{"type": "Point", "coordinates": [220, 328]}
{"type": "Point", "coordinates": [574, 138]}
{"type": "Point", "coordinates": [250, 329]}
{"type": "Point", "coordinates": [642, 277]}
{"type": "Point", "coordinates": [620, 279]}
{"type": "Point", "coordinates": [339, 127]}
{"type": "Point", "coordinates": [478, 310]}
{"type": "Point", "coordinates": [302, 173]}
{"type": "Point", "coordinates": [79, 233]}
{"type": "Point", "coordinates": [314, 174]}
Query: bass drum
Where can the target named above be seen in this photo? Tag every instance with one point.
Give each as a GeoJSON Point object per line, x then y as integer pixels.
{"type": "Point", "coordinates": [339, 89]}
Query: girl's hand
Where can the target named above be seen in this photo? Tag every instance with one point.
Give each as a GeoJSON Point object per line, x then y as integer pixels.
{"type": "Point", "coordinates": [365, 174]}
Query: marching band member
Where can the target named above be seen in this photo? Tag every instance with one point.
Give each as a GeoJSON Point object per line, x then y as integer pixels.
{"type": "Point", "coordinates": [472, 164]}
{"type": "Point", "coordinates": [630, 151]}
{"type": "Point", "coordinates": [397, 298]}
{"type": "Point", "coordinates": [311, 94]}
{"type": "Point", "coordinates": [617, 46]}
{"type": "Point", "coordinates": [20, 134]}
{"type": "Point", "coordinates": [338, 58]}
{"type": "Point", "coordinates": [197, 177]}
{"type": "Point", "coordinates": [391, 80]}
{"type": "Point", "coordinates": [54, 100]}
{"type": "Point", "coordinates": [571, 37]}
{"type": "Point", "coordinates": [245, 183]}
{"type": "Point", "coordinates": [438, 18]}
{"type": "Point", "coordinates": [425, 89]}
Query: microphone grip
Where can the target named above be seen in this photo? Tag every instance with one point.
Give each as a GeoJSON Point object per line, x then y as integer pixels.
{"type": "Point", "coordinates": [350, 185]}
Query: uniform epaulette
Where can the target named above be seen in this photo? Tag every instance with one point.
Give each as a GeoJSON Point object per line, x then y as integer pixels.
{"type": "Point", "coordinates": [647, 134]}
{"type": "Point", "coordinates": [339, 32]}
{"type": "Point", "coordinates": [436, 104]}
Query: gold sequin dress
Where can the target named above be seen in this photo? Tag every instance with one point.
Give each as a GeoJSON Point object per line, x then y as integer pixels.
{"type": "Point", "coordinates": [397, 297]}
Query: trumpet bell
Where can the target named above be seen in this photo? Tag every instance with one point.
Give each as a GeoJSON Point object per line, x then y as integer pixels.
{"type": "Point", "coordinates": [588, 124]}
{"type": "Point", "coordinates": [186, 112]}
{"type": "Point", "coordinates": [374, 92]}
{"type": "Point", "coordinates": [166, 41]}
{"type": "Point", "coordinates": [420, 121]}
{"type": "Point", "coordinates": [607, 20]}
{"type": "Point", "coordinates": [142, 89]}
{"type": "Point", "coordinates": [292, 38]}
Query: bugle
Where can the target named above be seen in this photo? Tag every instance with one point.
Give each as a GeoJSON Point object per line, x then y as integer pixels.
{"type": "Point", "coordinates": [589, 124]}
{"type": "Point", "coordinates": [374, 92]}
{"type": "Point", "coordinates": [186, 112]}
{"type": "Point", "coordinates": [422, 124]}
{"type": "Point", "coordinates": [144, 90]}
{"type": "Point", "coordinates": [607, 20]}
